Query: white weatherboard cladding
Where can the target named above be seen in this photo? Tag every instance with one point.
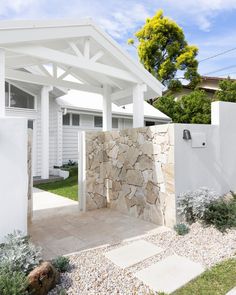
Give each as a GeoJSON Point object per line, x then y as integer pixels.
{"type": "Point", "coordinates": [70, 135]}
{"type": "Point", "coordinates": [53, 131]}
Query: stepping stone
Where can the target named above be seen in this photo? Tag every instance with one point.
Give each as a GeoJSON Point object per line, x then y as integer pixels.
{"type": "Point", "coordinates": [170, 273]}
{"type": "Point", "coordinates": [232, 292]}
{"type": "Point", "coordinates": [131, 254]}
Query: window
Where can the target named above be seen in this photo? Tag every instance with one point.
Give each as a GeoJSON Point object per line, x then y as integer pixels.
{"type": "Point", "coordinates": [114, 123]}
{"type": "Point", "coordinates": [6, 94]}
{"type": "Point", "coordinates": [75, 120]}
{"type": "Point", "coordinates": [66, 119]}
{"type": "Point", "coordinates": [97, 121]}
{"type": "Point", "coordinates": [21, 99]}
{"type": "Point", "coordinates": [149, 123]}
{"type": "Point", "coordinates": [30, 124]}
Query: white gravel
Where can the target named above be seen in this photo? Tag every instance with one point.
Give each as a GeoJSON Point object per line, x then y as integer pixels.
{"type": "Point", "coordinates": [92, 273]}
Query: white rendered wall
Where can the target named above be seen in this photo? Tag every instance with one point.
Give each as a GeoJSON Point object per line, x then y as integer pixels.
{"type": "Point", "coordinates": [224, 117]}
{"type": "Point", "coordinates": [197, 167]}
{"type": "Point", "coordinates": [213, 166]}
{"type": "Point", "coordinates": [13, 175]}
{"type": "Point", "coordinates": [35, 116]}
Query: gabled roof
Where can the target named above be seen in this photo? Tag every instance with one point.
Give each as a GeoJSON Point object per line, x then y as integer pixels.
{"type": "Point", "coordinates": [78, 48]}
{"type": "Point", "coordinates": [93, 103]}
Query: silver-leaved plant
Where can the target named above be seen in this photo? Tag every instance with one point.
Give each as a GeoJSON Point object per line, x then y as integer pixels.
{"type": "Point", "coordinates": [191, 205]}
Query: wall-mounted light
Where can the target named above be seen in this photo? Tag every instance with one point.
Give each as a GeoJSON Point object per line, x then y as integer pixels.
{"type": "Point", "coordinates": [186, 134]}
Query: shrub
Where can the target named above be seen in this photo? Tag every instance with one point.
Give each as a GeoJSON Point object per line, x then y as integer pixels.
{"type": "Point", "coordinates": [181, 229]}
{"type": "Point", "coordinates": [221, 214]}
{"type": "Point", "coordinates": [12, 282]}
{"type": "Point", "coordinates": [61, 263]}
{"type": "Point", "coordinates": [192, 205]}
{"type": "Point", "coordinates": [19, 254]}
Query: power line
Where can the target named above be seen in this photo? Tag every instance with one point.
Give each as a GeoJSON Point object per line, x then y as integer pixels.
{"type": "Point", "coordinates": [227, 74]}
{"type": "Point", "coordinates": [220, 70]}
{"type": "Point", "coordinates": [218, 54]}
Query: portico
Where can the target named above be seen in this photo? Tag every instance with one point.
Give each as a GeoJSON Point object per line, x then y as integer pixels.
{"type": "Point", "coordinates": [72, 55]}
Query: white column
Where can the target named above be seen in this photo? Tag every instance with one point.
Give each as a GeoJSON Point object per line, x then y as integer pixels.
{"type": "Point", "coordinates": [138, 105]}
{"type": "Point", "coordinates": [45, 131]}
{"type": "Point", "coordinates": [59, 138]}
{"type": "Point", "coordinates": [2, 83]}
{"type": "Point", "coordinates": [107, 112]}
{"type": "Point", "coordinates": [82, 170]}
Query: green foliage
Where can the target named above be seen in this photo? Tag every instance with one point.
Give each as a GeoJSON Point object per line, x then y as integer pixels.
{"type": "Point", "coordinates": [221, 214]}
{"type": "Point", "coordinates": [181, 229]}
{"type": "Point", "coordinates": [19, 254]}
{"type": "Point", "coordinates": [163, 50]}
{"type": "Point", "coordinates": [67, 188]}
{"type": "Point", "coordinates": [61, 263]}
{"type": "Point", "coordinates": [12, 282]}
{"type": "Point", "coordinates": [192, 108]}
{"type": "Point", "coordinates": [227, 91]}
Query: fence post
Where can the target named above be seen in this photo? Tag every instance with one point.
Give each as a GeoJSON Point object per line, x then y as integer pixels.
{"type": "Point", "coordinates": [82, 171]}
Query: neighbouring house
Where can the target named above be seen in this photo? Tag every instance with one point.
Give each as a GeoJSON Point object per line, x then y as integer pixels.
{"type": "Point", "coordinates": [68, 114]}
{"type": "Point", "coordinates": [209, 84]}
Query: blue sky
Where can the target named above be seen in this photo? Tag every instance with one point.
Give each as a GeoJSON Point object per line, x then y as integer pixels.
{"type": "Point", "coordinates": [209, 24]}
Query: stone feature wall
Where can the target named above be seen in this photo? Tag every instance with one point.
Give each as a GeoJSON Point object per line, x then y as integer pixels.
{"type": "Point", "coordinates": [132, 171]}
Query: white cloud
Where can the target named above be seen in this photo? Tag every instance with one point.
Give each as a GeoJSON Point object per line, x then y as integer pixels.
{"type": "Point", "coordinates": [198, 12]}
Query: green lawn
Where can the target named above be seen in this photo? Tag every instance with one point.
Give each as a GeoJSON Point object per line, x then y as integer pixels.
{"type": "Point", "coordinates": [217, 281]}
{"type": "Point", "coordinates": [67, 188]}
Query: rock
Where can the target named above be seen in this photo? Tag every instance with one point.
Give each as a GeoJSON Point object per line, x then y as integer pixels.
{"type": "Point", "coordinates": [228, 197]}
{"type": "Point", "coordinates": [145, 163]}
{"type": "Point", "coordinates": [43, 278]}
{"type": "Point", "coordinates": [100, 201]}
{"type": "Point", "coordinates": [152, 192]}
{"type": "Point", "coordinates": [90, 203]}
{"type": "Point", "coordinates": [147, 148]}
{"type": "Point", "coordinates": [114, 152]}
{"type": "Point", "coordinates": [134, 177]}
{"type": "Point", "coordinates": [99, 189]}
{"type": "Point", "coordinates": [147, 175]}
{"type": "Point", "coordinates": [132, 155]}
{"type": "Point", "coordinates": [124, 191]}
{"type": "Point", "coordinates": [158, 173]}
{"type": "Point", "coordinates": [130, 202]}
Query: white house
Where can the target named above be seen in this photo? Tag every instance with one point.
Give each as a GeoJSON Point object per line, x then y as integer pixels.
{"type": "Point", "coordinates": [38, 60]}
{"type": "Point", "coordinates": [68, 114]}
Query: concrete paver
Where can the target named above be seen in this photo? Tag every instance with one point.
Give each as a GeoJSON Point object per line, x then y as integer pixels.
{"type": "Point", "coordinates": [133, 253]}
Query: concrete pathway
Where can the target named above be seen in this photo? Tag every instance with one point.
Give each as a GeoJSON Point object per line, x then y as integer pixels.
{"type": "Point", "coordinates": [45, 200]}
{"type": "Point", "coordinates": [166, 276]}
{"type": "Point", "coordinates": [59, 228]}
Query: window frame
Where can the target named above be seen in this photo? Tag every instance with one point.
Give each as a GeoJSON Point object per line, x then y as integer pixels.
{"type": "Point", "coordinates": [74, 114]}
{"type": "Point", "coordinates": [24, 90]}
{"type": "Point", "coordinates": [69, 114]}
{"type": "Point", "coordinates": [115, 118]}
{"type": "Point", "coordinates": [148, 121]}
{"type": "Point", "coordinates": [94, 122]}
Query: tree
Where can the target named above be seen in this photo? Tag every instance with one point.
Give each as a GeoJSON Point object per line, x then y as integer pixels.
{"type": "Point", "coordinates": [192, 108]}
{"type": "Point", "coordinates": [164, 51]}
{"type": "Point", "coordinates": [227, 91]}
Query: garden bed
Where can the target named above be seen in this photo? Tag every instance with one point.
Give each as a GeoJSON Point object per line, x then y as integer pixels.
{"type": "Point", "coordinates": [92, 273]}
